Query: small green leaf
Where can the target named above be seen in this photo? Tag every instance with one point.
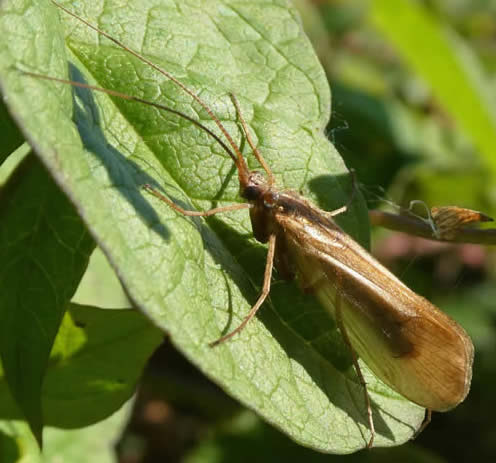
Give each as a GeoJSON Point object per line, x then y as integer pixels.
{"type": "Point", "coordinates": [94, 365]}
{"type": "Point", "coordinates": [195, 278]}
{"type": "Point", "coordinates": [95, 443]}
{"type": "Point", "coordinates": [100, 286]}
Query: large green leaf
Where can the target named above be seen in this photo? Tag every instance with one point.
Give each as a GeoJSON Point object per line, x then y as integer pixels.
{"type": "Point", "coordinates": [195, 278]}
{"type": "Point", "coordinates": [44, 250]}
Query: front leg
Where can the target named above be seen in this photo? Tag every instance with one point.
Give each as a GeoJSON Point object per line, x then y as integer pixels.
{"type": "Point", "coordinates": [269, 265]}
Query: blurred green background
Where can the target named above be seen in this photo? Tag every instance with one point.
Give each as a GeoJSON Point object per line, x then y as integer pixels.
{"type": "Point", "coordinates": [413, 112]}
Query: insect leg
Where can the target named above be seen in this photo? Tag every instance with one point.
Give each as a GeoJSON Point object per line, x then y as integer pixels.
{"type": "Point", "coordinates": [269, 264]}
{"type": "Point", "coordinates": [342, 328]}
{"type": "Point", "coordinates": [257, 153]}
{"type": "Point", "coordinates": [344, 208]}
{"type": "Point", "coordinates": [215, 210]}
{"type": "Point", "coordinates": [427, 420]}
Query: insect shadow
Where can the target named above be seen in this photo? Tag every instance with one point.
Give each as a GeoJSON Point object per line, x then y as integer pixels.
{"type": "Point", "coordinates": [125, 174]}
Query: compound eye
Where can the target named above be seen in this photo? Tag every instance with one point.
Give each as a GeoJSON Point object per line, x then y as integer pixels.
{"type": "Point", "coordinates": [251, 192]}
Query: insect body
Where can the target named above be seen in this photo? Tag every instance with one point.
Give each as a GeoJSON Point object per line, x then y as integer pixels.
{"type": "Point", "coordinates": [406, 341]}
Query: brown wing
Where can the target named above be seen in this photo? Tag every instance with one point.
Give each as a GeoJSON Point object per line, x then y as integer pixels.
{"type": "Point", "coordinates": [405, 340]}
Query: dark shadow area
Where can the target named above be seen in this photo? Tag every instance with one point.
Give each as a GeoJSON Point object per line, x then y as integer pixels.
{"type": "Point", "coordinates": [368, 141]}
{"type": "Point", "coordinates": [12, 137]}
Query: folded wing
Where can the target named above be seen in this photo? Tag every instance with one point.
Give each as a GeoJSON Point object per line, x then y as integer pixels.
{"type": "Point", "coordinates": [405, 340]}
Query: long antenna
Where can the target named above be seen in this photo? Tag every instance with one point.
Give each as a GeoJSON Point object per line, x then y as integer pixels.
{"type": "Point", "coordinates": [139, 100]}
{"type": "Point", "coordinates": [240, 162]}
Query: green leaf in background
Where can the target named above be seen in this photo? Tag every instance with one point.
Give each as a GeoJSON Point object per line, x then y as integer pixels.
{"type": "Point", "coordinates": [100, 286]}
{"type": "Point", "coordinates": [195, 278]}
{"type": "Point", "coordinates": [448, 66]}
{"type": "Point", "coordinates": [94, 366]}
{"type": "Point", "coordinates": [44, 250]}
{"type": "Point", "coordinates": [17, 444]}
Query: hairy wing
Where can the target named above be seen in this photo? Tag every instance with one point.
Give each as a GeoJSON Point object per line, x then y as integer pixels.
{"type": "Point", "coordinates": [405, 340]}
